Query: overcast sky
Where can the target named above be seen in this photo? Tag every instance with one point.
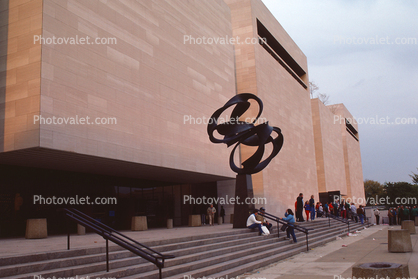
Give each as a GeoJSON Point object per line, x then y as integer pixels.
{"type": "Point", "coordinates": [358, 54]}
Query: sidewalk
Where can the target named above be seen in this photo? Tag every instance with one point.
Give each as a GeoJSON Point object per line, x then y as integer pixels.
{"type": "Point", "coordinates": [333, 261]}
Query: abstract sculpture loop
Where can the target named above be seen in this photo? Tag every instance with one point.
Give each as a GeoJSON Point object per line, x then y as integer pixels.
{"type": "Point", "coordinates": [238, 132]}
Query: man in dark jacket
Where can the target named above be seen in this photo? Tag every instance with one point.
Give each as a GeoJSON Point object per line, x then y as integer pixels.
{"type": "Point", "coordinates": [405, 213]}
{"type": "Point", "coordinates": [299, 212]}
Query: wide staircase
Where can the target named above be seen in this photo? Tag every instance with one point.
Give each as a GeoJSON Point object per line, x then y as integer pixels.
{"type": "Point", "coordinates": [212, 255]}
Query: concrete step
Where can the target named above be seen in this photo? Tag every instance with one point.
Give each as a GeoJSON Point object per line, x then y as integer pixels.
{"type": "Point", "coordinates": [225, 262]}
{"type": "Point", "coordinates": [264, 261]}
{"type": "Point", "coordinates": [188, 263]}
{"type": "Point", "coordinates": [200, 250]}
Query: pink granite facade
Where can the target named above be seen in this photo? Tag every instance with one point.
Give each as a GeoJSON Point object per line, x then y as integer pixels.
{"type": "Point", "coordinates": [352, 154]}
{"type": "Point", "coordinates": [329, 150]}
{"type": "Point", "coordinates": [155, 81]}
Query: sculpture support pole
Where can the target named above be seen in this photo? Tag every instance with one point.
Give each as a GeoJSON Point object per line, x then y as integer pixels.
{"type": "Point", "coordinates": [243, 190]}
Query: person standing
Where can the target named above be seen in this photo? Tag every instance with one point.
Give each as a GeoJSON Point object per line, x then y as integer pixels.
{"type": "Point", "coordinates": [360, 214]}
{"type": "Point", "coordinates": [414, 213]}
{"type": "Point", "coordinates": [307, 210]}
{"type": "Point", "coordinates": [399, 214]}
{"type": "Point", "coordinates": [326, 209]}
{"type": "Point", "coordinates": [377, 215]}
{"type": "Point", "coordinates": [405, 213]}
{"type": "Point", "coordinates": [299, 212]}
{"type": "Point", "coordinates": [222, 214]}
{"type": "Point", "coordinates": [331, 208]}
{"type": "Point", "coordinates": [312, 207]}
{"type": "Point", "coordinates": [336, 205]}
{"type": "Point", "coordinates": [348, 209]}
{"type": "Point", "coordinates": [343, 210]}
{"type": "Point", "coordinates": [211, 213]}
{"type": "Point", "coordinates": [203, 214]}
{"type": "Point", "coordinates": [354, 212]}
{"type": "Point", "coordinates": [320, 212]}
{"type": "Point", "coordinates": [390, 216]}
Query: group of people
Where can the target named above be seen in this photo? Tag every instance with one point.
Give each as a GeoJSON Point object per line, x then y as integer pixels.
{"type": "Point", "coordinates": [311, 209]}
{"type": "Point", "coordinates": [398, 214]}
{"type": "Point", "coordinates": [343, 209]}
{"type": "Point", "coordinates": [257, 220]}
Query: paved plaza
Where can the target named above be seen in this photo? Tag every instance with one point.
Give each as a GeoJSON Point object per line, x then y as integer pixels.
{"type": "Point", "coordinates": [335, 259]}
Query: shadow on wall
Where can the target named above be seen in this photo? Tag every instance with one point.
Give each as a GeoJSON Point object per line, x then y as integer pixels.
{"type": "Point", "coordinates": [4, 22]}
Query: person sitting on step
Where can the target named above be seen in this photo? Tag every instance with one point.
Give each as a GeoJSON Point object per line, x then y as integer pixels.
{"type": "Point", "coordinates": [252, 222]}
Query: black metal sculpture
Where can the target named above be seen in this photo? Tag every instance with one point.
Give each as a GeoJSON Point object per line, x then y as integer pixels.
{"type": "Point", "coordinates": [236, 131]}
{"type": "Point", "coordinates": [246, 133]}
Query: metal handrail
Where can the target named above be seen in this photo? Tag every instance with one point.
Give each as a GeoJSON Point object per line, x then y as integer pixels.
{"type": "Point", "coordinates": [296, 227]}
{"type": "Point", "coordinates": [329, 215]}
{"type": "Point", "coordinates": [120, 239]}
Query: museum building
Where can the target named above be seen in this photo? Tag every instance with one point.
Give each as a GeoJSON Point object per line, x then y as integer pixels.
{"type": "Point", "coordinates": [125, 116]}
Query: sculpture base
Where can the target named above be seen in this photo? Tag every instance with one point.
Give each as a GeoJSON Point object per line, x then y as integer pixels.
{"type": "Point", "coordinates": [243, 190]}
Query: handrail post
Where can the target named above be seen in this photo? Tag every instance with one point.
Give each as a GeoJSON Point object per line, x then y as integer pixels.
{"type": "Point", "coordinates": [307, 242]}
{"type": "Point", "coordinates": [161, 276]}
{"type": "Point", "coordinates": [348, 223]}
{"type": "Point", "coordinates": [329, 221]}
{"type": "Point", "coordinates": [68, 234]}
{"type": "Point", "coordinates": [107, 255]}
{"type": "Point", "coordinates": [278, 229]}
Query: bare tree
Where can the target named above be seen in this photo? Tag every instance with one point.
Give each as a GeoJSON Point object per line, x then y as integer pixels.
{"type": "Point", "coordinates": [414, 177]}
{"type": "Point", "coordinates": [324, 98]}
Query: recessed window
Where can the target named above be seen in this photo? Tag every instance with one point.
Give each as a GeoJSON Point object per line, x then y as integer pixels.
{"type": "Point", "coordinates": [279, 53]}
{"type": "Point", "coordinates": [351, 130]}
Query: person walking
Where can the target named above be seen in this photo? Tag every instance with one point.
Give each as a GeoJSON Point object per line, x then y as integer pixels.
{"type": "Point", "coordinates": [211, 213]}
{"type": "Point", "coordinates": [290, 219]}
